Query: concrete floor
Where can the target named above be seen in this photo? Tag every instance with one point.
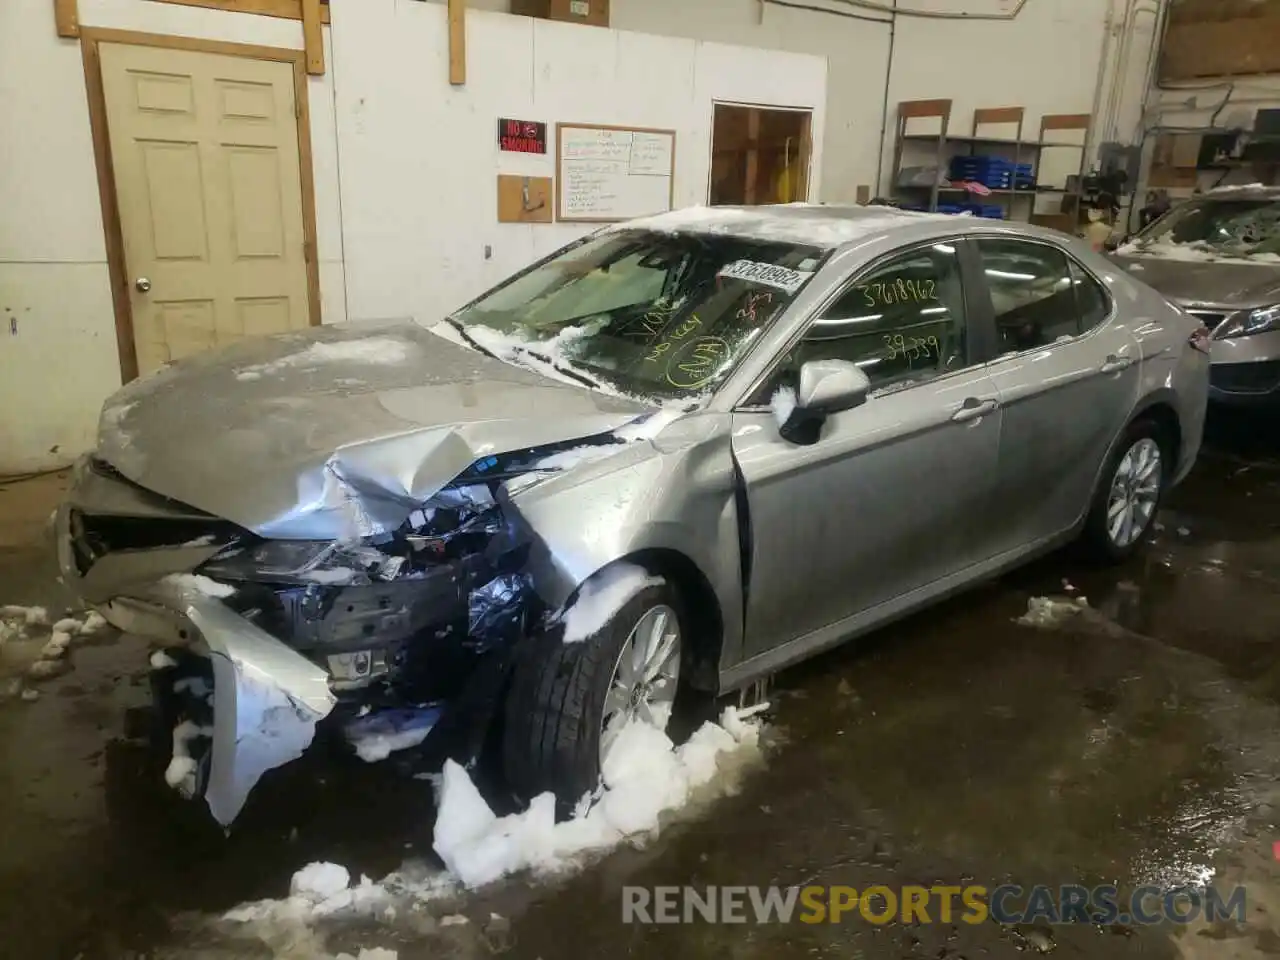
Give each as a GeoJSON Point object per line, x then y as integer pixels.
{"type": "Point", "coordinates": [1139, 744]}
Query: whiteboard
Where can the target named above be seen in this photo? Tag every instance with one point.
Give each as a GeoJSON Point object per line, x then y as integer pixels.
{"type": "Point", "coordinates": [613, 173]}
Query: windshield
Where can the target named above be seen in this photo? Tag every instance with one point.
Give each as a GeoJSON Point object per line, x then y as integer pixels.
{"type": "Point", "coordinates": [1216, 228]}
{"type": "Point", "coordinates": [649, 314]}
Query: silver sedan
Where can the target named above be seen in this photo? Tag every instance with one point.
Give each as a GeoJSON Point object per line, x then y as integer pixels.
{"type": "Point", "coordinates": [674, 456]}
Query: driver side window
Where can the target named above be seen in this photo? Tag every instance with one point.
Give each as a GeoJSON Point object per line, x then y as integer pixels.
{"type": "Point", "coordinates": [902, 323]}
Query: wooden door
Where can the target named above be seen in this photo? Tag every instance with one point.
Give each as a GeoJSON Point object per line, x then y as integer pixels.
{"type": "Point", "coordinates": [204, 151]}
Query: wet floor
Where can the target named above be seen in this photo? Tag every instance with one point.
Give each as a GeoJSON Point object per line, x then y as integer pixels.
{"type": "Point", "coordinates": [1138, 742]}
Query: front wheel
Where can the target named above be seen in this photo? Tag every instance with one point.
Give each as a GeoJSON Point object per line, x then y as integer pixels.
{"type": "Point", "coordinates": [569, 701]}
{"type": "Point", "coordinates": [1132, 489]}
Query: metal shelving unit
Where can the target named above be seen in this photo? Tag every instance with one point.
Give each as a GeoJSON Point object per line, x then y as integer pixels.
{"type": "Point", "coordinates": [946, 145]}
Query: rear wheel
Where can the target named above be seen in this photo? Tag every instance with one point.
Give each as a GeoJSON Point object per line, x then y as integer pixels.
{"type": "Point", "coordinates": [569, 701]}
{"type": "Point", "coordinates": [1132, 489]}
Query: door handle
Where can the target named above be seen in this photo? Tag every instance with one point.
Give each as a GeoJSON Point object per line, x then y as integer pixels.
{"type": "Point", "coordinates": [143, 284]}
{"type": "Point", "coordinates": [973, 408]}
{"type": "Point", "coordinates": [1114, 364]}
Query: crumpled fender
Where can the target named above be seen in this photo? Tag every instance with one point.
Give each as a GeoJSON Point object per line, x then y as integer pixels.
{"type": "Point", "coordinates": [267, 701]}
{"type": "Point", "coordinates": [675, 492]}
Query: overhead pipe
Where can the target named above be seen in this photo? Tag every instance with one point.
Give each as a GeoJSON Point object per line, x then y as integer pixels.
{"type": "Point", "coordinates": [934, 14]}
{"type": "Point", "coordinates": [888, 21]}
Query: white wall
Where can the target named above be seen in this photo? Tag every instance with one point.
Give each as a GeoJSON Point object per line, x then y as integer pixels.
{"type": "Point", "coordinates": [420, 159]}
{"type": "Point", "coordinates": [58, 352]}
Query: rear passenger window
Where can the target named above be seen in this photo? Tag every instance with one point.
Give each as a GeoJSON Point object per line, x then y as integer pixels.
{"type": "Point", "coordinates": [1094, 304]}
{"type": "Point", "coordinates": [1032, 293]}
{"type": "Point", "coordinates": [902, 323]}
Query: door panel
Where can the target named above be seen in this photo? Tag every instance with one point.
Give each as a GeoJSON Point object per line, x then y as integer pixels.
{"type": "Point", "coordinates": [1066, 389]}
{"type": "Point", "coordinates": [894, 495]}
{"type": "Point", "coordinates": [204, 149]}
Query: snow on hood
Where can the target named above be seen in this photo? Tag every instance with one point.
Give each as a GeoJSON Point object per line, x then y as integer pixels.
{"type": "Point", "coordinates": [1195, 252]}
{"type": "Point", "coordinates": [1223, 283]}
{"type": "Point", "coordinates": [305, 434]}
{"type": "Point", "coordinates": [814, 225]}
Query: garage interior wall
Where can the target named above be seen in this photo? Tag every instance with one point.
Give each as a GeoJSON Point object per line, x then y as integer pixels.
{"type": "Point", "coordinates": [405, 165]}
{"type": "Point", "coordinates": [420, 159]}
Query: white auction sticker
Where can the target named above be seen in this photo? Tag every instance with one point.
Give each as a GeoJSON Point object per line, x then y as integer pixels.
{"type": "Point", "coordinates": [784, 278]}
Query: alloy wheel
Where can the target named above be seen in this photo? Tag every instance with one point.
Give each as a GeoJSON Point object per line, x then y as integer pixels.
{"type": "Point", "coordinates": [1135, 493]}
{"type": "Point", "coordinates": [645, 677]}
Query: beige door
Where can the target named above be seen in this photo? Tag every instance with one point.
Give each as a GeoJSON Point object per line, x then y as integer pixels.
{"type": "Point", "coordinates": [204, 148]}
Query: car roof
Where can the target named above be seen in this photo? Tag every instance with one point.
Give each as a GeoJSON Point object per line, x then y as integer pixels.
{"type": "Point", "coordinates": [818, 225]}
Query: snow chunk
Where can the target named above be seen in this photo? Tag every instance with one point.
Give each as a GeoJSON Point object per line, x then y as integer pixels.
{"type": "Point", "coordinates": [827, 229]}
{"type": "Point", "coordinates": [600, 597]}
{"type": "Point", "coordinates": [161, 660]}
{"type": "Point", "coordinates": [56, 647]}
{"type": "Point", "coordinates": [93, 622]}
{"type": "Point", "coordinates": [783, 405]}
{"type": "Point", "coordinates": [370, 953]}
{"type": "Point", "coordinates": [31, 616]}
{"type": "Point", "coordinates": [319, 881]}
{"type": "Point", "coordinates": [644, 776]}
{"type": "Point", "coordinates": [377, 736]}
{"type": "Point", "coordinates": [1048, 612]}
{"type": "Point", "coordinates": [181, 772]}
{"type": "Point", "coordinates": [200, 584]}
{"type": "Point", "coordinates": [371, 350]}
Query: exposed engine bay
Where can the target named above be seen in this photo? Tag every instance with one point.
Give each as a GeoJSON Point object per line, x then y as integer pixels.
{"type": "Point", "coordinates": [396, 636]}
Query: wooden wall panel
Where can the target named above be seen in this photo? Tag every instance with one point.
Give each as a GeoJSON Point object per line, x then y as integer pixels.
{"type": "Point", "coordinates": [1221, 48]}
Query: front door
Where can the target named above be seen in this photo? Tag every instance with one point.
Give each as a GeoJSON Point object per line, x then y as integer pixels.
{"type": "Point", "coordinates": [204, 149]}
{"type": "Point", "coordinates": [893, 495]}
{"type": "Point", "coordinates": [1068, 378]}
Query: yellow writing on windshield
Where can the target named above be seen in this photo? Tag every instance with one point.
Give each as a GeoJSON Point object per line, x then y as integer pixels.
{"type": "Point", "coordinates": [677, 335]}
{"type": "Point", "coordinates": [696, 362]}
{"type": "Point", "coordinates": [900, 290]}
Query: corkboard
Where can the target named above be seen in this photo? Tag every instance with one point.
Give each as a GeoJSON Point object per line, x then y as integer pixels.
{"type": "Point", "coordinates": [524, 199]}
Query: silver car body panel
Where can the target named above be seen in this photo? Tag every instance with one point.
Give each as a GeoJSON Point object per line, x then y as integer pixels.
{"type": "Point", "coordinates": [343, 432]}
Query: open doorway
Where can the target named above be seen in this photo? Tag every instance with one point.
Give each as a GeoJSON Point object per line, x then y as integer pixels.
{"type": "Point", "coordinates": [759, 155]}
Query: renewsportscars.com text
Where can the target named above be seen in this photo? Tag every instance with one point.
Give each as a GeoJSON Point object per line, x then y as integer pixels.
{"type": "Point", "coordinates": [1007, 904]}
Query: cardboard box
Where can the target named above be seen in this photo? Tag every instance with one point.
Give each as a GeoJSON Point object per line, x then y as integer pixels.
{"type": "Point", "coordinates": [594, 13]}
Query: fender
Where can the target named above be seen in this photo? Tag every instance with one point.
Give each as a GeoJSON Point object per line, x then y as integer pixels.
{"type": "Point", "coordinates": [675, 492]}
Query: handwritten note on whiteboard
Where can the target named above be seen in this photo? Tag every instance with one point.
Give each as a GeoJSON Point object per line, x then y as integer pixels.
{"type": "Point", "coordinates": [613, 174]}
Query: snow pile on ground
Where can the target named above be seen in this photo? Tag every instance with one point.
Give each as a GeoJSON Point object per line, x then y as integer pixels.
{"type": "Point", "coordinates": [601, 597]}
{"type": "Point", "coordinates": [30, 625]}
{"type": "Point", "coordinates": [645, 776]}
{"type": "Point", "coordinates": [1050, 612]}
{"type": "Point", "coordinates": [648, 783]}
{"type": "Point", "coordinates": [371, 350]}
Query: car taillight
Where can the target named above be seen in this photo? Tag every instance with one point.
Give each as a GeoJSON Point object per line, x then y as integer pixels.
{"type": "Point", "coordinates": [1200, 339]}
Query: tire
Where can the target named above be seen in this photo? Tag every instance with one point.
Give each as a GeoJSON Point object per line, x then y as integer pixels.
{"type": "Point", "coordinates": [552, 728]}
{"type": "Point", "coordinates": [1099, 538]}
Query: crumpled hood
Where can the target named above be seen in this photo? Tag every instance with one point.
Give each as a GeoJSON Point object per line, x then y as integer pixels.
{"type": "Point", "coordinates": [1219, 283]}
{"type": "Point", "coordinates": [335, 432]}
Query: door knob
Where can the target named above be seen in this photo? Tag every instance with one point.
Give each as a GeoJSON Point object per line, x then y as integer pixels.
{"type": "Point", "coordinates": [143, 284]}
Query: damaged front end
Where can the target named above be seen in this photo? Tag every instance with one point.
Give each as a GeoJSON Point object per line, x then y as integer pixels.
{"type": "Point", "coordinates": [399, 639]}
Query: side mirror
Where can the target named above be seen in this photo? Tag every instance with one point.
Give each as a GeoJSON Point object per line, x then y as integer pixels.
{"type": "Point", "coordinates": [826, 387]}
{"type": "Point", "coordinates": [829, 386]}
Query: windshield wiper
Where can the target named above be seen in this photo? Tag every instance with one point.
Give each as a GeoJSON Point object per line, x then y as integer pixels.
{"type": "Point", "coordinates": [471, 341]}
{"type": "Point", "coordinates": [520, 351]}
{"type": "Point", "coordinates": [560, 368]}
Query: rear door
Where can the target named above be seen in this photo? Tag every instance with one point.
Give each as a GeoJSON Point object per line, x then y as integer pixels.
{"type": "Point", "coordinates": [892, 495]}
{"type": "Point", "coordinates": [1067, 374]}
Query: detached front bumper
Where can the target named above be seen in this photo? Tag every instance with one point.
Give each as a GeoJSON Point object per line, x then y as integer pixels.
{"type": "Point", "coordinates": [267, 698]}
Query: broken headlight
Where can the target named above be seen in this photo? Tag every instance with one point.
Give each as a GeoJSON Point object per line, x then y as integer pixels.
{"type": "Point", "coordinates": [305, 562]}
